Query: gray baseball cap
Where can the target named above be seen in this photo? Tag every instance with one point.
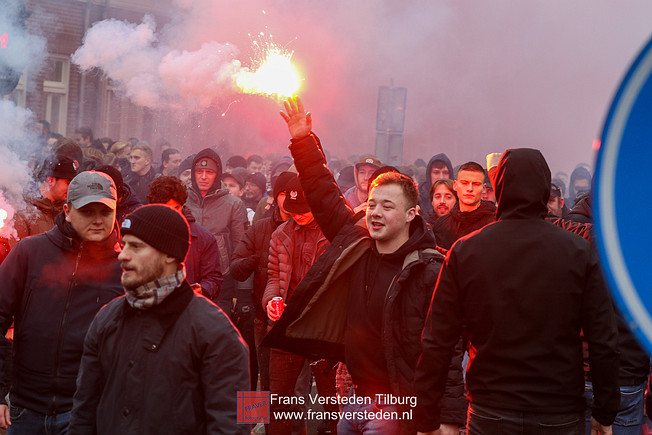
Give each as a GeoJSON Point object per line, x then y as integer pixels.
{"type": "Point", "coordinates": [92, 186]}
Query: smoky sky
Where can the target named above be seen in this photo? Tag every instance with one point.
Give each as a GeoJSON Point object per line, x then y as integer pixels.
{"type": "Point", "coordinates": [481, 76]}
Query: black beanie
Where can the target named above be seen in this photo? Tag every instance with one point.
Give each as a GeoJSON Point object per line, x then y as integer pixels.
{"type": "Point", "coordinates": [161, 227]}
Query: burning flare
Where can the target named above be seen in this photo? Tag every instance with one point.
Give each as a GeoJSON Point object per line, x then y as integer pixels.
{"type": "Point", "coordinates": [3, 216]}
{"type": "Point", "coordinates": [273, 75]}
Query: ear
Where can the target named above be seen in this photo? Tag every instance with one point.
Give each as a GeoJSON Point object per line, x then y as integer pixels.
{"type": "Point", "coordinates": [455, 185]}
{"type": "Point", "coordinates": [67, 210]}
{"type": "Point", "coordinates": [170, 260]}
{"type": "Point", "coordinates": [561, 202]}
{"type": "Point", "coordinates": [411, 214]}
{"type": "Point", "coordinates": [484, 188]}
{"type": "Point", "coordinates": [51, 181]}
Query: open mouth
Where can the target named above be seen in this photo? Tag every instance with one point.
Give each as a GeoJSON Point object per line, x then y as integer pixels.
{"type": "Point", "coordinates": [376, 226]}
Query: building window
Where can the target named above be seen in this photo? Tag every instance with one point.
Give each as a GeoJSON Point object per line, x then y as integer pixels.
{"type": "Point", "coordinates": [55, 89]}
{"type": "Point", "coordinates": [121, 119]}
{"type": "Point", "coordinates": [19, 95]}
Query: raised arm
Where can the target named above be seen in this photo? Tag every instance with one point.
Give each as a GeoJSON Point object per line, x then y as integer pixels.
{"type": "Point", "coordinates": [326, 202]}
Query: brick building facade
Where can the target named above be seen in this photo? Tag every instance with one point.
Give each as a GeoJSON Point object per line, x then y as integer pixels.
{"type": "Point", "coordinates": [59, 92]}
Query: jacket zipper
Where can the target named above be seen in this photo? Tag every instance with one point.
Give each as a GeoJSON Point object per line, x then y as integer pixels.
{"type": "Point", "coordinates": [73, 281]}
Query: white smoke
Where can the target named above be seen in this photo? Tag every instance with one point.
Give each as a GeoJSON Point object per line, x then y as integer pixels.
{"type": "Point", "coordinates": [17, 139]}
{"type": "Point", "coordinates": [23, 49]}
{"type": "Point", "coordinates": [153, 74]}
{"type": "Point", "coordinates": [127, 54]}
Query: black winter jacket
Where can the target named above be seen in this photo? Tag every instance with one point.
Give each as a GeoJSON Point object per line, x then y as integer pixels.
{"type": "Point", "coordinates": [523, 308]}
{"type": "Point", "coordinates": [52, 287]}
{"type": "Point", "coordinates": [581, 211]}
{"type": "Point", "coordinates": [251, 256]}
{"type": "Point", "coordinates": [203, 259]}
{"type": "Point", "coordinates": [175, 368]}
{"type": "Point", "coordinates": [314, 324]}
{"type": "Point", "coordinates": [140, 184]}
{"type": "Point", "coordinates": [457, 223]}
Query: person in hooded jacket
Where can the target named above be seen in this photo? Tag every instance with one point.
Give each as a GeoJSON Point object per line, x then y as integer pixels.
{"type": "Point", "coordinates": [221, 213]}
{"type": "Point", "coordinates": [470, 213]}
{"type": "Point", "coordinates": [580, 183]}
{"type": "Point", "coordinates": [439, 168]}
{"type": "Point", "coordinates": [364, 300]}
{"type": "Point", "coordinates": [523, 309]}
{"type": "Point", "coordinates": [53, 284]}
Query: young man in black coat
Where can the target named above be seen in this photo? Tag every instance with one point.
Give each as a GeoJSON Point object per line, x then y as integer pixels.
{"type": "Point", "coordinates": [523, 309]}
{"type": "Point", "coordinates": [161, 359]}
{"type": "Point", "coordinates": [470, 213]}
{"type": "Point", "coordinates": [364, 300]}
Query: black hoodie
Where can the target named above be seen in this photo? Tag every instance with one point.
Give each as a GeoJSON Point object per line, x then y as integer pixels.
{"type": "Point", "coordinates": [523, 307]}
{"type": "Point", "coordinates": [425, 201]}
{"type": "Point", "coordinates": [458, 223]}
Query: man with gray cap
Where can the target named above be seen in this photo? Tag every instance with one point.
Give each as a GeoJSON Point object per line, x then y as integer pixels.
{"type": "Point", "coordinates": [161, 359]}
{"type": "Point", "coordinates": [53, 284]}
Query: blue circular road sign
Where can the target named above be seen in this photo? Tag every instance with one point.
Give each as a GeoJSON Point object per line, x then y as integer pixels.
{"type": "Point", "coordinates": [623, 197]}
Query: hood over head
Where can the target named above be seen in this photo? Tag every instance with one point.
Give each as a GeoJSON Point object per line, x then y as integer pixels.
{"type": "Point", "coordinates": [207, 153]}
{"type": "Point", "coordinates": [579, 172]}
{"type": "Point", "coordinates": [441, 158]}
{"type": "Point", "coordinates": [522, 185]}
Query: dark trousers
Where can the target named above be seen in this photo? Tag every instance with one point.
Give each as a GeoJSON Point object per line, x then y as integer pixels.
{"type": "Point", "coordinates": [284, 369]}
{"type": "Point", "coordinates": [260, 330]}
{"type": "Point", "coordinates": [242, 314]}
{"type": "Point", "coordinates": [483, 420]}
{"type": "Point", "coordinates": [27, 422]}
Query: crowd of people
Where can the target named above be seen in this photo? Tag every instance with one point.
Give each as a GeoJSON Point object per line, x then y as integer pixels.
{"type": "Point", "coordinates": [140, 296]}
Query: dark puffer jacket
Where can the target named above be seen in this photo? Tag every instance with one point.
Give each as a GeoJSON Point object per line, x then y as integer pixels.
{"type": "Point", "coordinates": [425, 201]}
{"type": "Point", "coordinates": [457, 223]}
{"type": "Point", "coordinates": [314, 324]}
{"type": "Point", "coordinates": [251, 257]}
{"type": "Point", "coordinates": [293, 249]}
{"type": "Point", "coordinates": [175, 368]}
{"type": "Point", "coordinates": [523, 290]}
{"type": "Point", "coordinates": [52, 286]}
